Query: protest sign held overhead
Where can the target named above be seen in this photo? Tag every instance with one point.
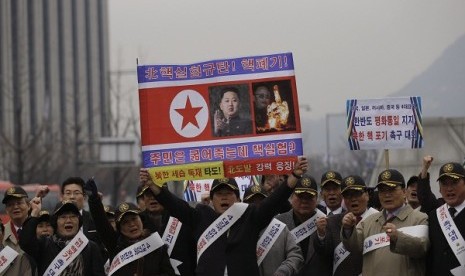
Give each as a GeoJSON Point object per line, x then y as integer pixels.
{"type": "Point", "coordinates": [221, 118]}
{"type": "Point", "coordinates": [390, 123]}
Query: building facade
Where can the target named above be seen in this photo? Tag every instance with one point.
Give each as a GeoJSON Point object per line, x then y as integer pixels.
{"type": "Point", "coordinates": [54, 87]}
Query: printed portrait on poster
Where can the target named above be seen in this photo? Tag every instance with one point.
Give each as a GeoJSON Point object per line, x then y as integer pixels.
{"type": "Point", "coordinates": [230, 110]}
{"type": "Point", "coordinates": [273, 106]}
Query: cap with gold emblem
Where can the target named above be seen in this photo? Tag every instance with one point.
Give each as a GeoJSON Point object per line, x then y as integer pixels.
{"type": "Point", "coordinates": [252, 191]}
{"type": "Point", "coordinates": [142, 189]}
{"type": "Point", "coordinates": [124, 208]}
{"type": "Point", "coordinates": [65, 206]}
{"type": "Point", "coordinates": [14, 192]}
{"type": "Point", "coordinates": [391, 178]}
{"type": "Point", "coordinates": [331, 177]}
{"type": "Point", "coordinates": [306, 184]}
{"type": "Point", "coordinates": [221, 182]}
{"type": "Point", "coordinates": [44, 215]}
{"type": "Point", "coordinates": [454, 170]}
{"type": "Point", "coordinates": [353, 182]}
{"type": "Point", "coordinates": [109, 210]}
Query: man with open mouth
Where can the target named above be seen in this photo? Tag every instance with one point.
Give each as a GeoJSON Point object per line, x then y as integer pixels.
{"type": "Point", "coordinates": [394, 241]}
{"type": "Point", "coordinates": [331, 193]}
{"type": "Point", "coordinates": [301, 220]}
{"type": "Point", "coordinates": [226, 234]}
{"type": "Point", "coordinates": [447, 224]}
{"type": "Point", "coordinates": [355, 194]}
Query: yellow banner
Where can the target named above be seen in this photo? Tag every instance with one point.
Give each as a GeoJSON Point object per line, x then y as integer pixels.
{"type": "Point", "coordinates": [194, 171]}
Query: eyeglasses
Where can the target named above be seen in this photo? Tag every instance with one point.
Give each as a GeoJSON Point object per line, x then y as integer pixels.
{"type": "Point", "coordinates": [74, 193]}
{"type": "Point", "coordinates": [66, 217]}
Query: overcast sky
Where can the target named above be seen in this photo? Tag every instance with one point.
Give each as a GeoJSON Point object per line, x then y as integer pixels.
{"type": "Point", "coordinates": [342, 49]}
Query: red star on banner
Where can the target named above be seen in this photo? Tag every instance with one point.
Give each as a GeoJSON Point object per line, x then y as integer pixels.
{"type": "Point", "coordinates": [188, 114]}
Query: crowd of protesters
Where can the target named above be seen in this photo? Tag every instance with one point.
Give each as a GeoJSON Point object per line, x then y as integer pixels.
{"type": "Point", "coordinates": [287, 225]}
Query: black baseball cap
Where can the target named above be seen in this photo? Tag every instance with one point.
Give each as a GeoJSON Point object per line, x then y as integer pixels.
{"type": "Point", "coordinates": [124, 208]}
{"type": "Point", "coordinates": [44, 215]}
{"type": "Point", "coordinates": [353, 182]}
{"type": "Point", "coordinates": [109, 210]}
{"type": "Point", "coordinates": [228, 182]}
{"type": "Point", "coordinates": [64, 206]}
{"type": "Point", "coordinates": [252, 191]}
{"type": "Point", "coordinates": [306, 184]}
{"type": "Point", "coordinates": [331, 176]}
{"type": "Point", "coordinates": [391, 178]}
{"type": "Point", "coordinates": [453, 170]}
{"type": "Point", "coordinates": [14, 192]}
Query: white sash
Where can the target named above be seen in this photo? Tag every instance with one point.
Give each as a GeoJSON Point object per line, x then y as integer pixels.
{"type": "Point", "coordinates": [106, 267]}
{"type": "Point", "coordinates": [268, 238]}
{"type": "Point", "coordinates": [219, 227]}
{"type": "Point", "coordinates": [169, 238]}
{"type": "Point", "coordinates": [340, 253]}
{"type": "Point", "coordinates": [67, 255]}
{"type": "Point", "coordinates": [382, 239]}
{"type": "Point", "coordinates": [7, 255]}
{"type": "Point", "coordinates": [135, 252]}
{"type": "Point", "coordinates": [171, 233]}
{"type": "Point", "coordinates": [453, 237]}
{"type": "Point", "coordinates": [307, 228]}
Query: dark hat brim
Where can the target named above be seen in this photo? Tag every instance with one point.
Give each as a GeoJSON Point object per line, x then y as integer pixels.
{"type": "Point", "coordinates": [389, 184]}
{"type": "Point", "coordinates": [142, 192]}
{"type": "Point", "coordinates": [68, 206]}
{"type": "Point", "coordinates": [6, 198]}
{"type": "Point", "coordinates": [451, 175]}
{"type": "Point", "coordinates": [299, 191]}
{"type": "Point", "coordinates": [45, 217]}
{"type": "Point", "coordinates": [230, 186]}
{"type": "Point", "coordinates": [335, 181]}
{"type": "Point", "coordinates": [120, 216]}
{"type": "Point", "coordinates": [255, 194]}
{"type": "Point", "coordinates": [354, 188]}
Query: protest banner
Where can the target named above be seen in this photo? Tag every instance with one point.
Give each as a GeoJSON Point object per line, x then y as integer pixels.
{"type": "Point", "coordinates": [390, 123]}
{"type": "Point", "coordinates": [221, 118]}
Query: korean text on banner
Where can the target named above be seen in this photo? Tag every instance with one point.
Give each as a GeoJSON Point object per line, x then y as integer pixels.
{"type": "Point", "coordinates": [390, 123]}
{"type": "Point", "coordinates": [242, 109]}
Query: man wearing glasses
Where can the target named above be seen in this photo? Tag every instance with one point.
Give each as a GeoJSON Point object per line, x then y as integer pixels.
{"type": "Point", "coordinates": [394, 241]}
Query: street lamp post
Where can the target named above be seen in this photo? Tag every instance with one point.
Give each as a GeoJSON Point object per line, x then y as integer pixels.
{"type": "Point", "coordinates": [117, 153]}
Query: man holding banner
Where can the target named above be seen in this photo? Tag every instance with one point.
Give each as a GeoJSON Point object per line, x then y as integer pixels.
{"type": "Point", "coordinates": [447, 224]}
{"type": "Point", "coordinates": [393, 242]}
{"type": "Point", "coordinates": [227, 235]}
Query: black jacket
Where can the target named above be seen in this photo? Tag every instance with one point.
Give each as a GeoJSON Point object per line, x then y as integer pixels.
{"type": "Point", "coordinates": [156, 263]}
{"type": "Point", "coordinates": [185, 246]}
{"type": "Point", "coordinates": [427, 199]}
{"type": "Point", "coordinates": [44, 250]}
{"type": "Point", "coordinates": [352, 265]}
{"type": "Point", "coordinates": [440, 258]}
{"type": "Point", "coordinates": [237, 250]}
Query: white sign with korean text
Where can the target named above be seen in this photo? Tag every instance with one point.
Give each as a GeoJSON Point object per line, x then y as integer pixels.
{"type": "Point", "coordinates": [389, 123]}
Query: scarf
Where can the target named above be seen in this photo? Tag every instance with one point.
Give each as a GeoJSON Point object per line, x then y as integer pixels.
{"type": "Point", "coordinates": [76, 267]}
